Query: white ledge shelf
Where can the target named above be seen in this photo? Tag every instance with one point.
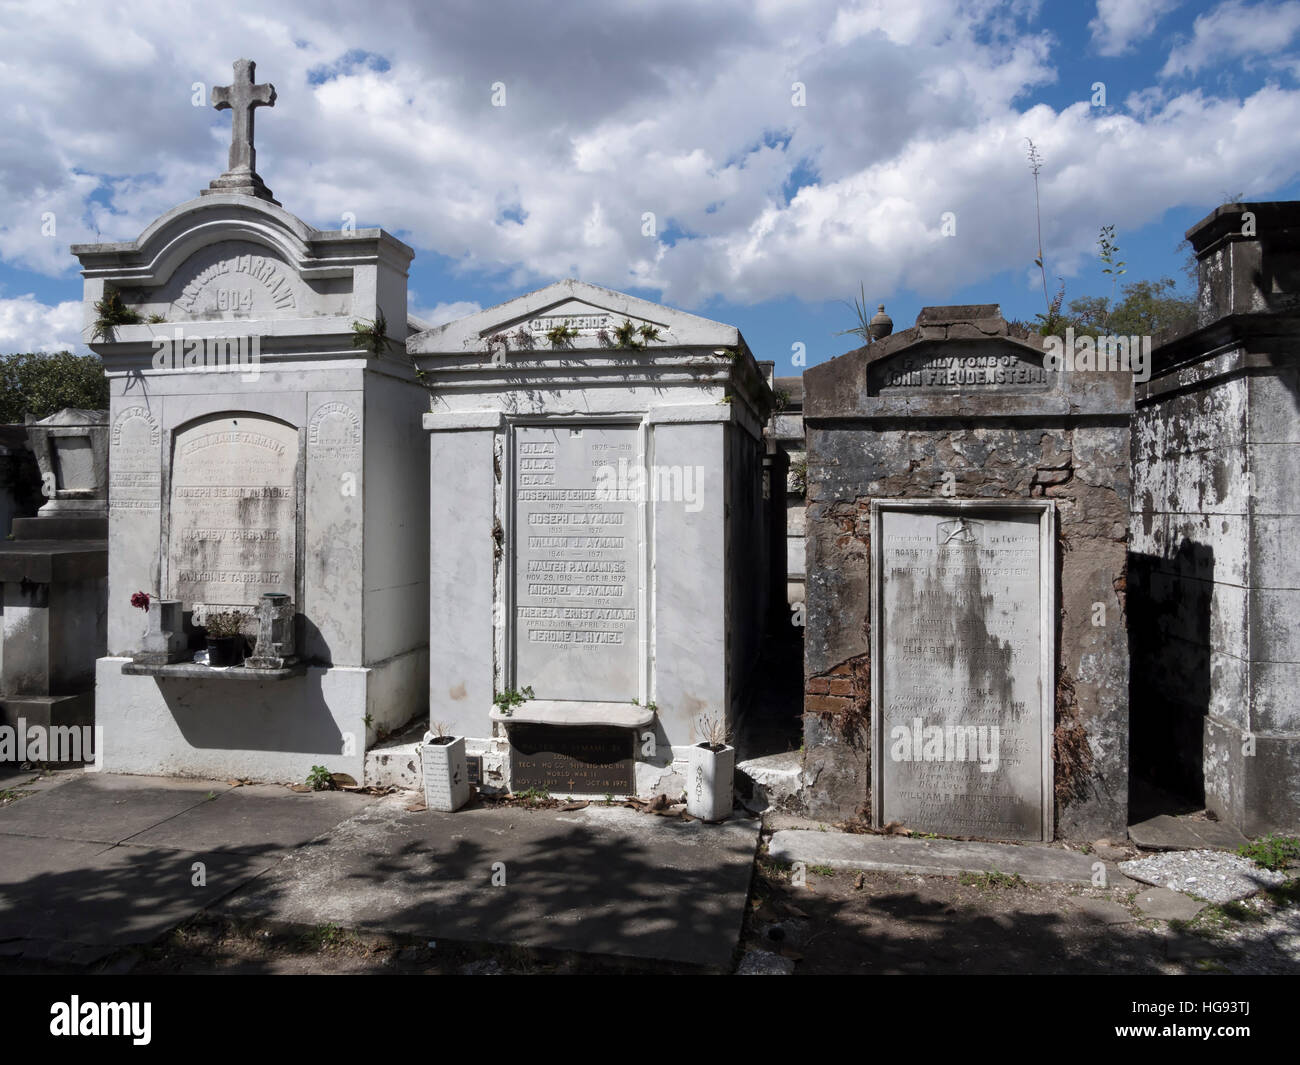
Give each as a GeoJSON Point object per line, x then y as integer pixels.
{"type": "Point", "coordinates": [575, 714]}
{"type": "Point", "coordinates": [193, 671]}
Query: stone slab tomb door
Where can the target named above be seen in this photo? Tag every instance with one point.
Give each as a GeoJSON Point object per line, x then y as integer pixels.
{"type": "Point", "coordinates": [232, 527]}
{"type": "Point", "coordinates": [963, 626]}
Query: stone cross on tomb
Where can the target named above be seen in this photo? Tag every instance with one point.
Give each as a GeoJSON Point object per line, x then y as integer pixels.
{"type": "Point", "coordinates": [240, 98]}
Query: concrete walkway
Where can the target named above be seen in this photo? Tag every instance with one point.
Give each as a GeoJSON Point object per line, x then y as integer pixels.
{"type": "Point", "coordinates": [600, 880]}
{"type": "Point", "coordinates": [91, 864]}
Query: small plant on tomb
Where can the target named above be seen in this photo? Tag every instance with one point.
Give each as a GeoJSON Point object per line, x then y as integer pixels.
{"type": "Point", "coordinates": [155, 319]}
{"type": "Point", "coordinates": [715, 731]}
{"type": "Point", "coordinates": [320, 779]}
{"type": "Point", "coordinates": [861, 311]}
{"type": "Point", "coordinates": [523, 339]}
{"type": "Point", "coordinates": [440, 733]}
{"type": "Point", "coordinates": [630, 336]}
{"type": "Point", "coordinates": [507, 700]}
{"type": "Point", "coordinates": [561, 336]}
{"type": "Point", "coordinates": [110, 312]}
{"type": "Point", "coordinates": [225, 624]}
{"type": "Point", "coordinates": [225, 637]}
{"type": "Point", "coordinates": [140, 600]}
{"type": "Point", "coordinates": [371, 335]}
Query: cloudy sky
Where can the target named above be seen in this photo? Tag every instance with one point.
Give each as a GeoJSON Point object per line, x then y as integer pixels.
{"type": "Point", "coordinates": [788, 152]}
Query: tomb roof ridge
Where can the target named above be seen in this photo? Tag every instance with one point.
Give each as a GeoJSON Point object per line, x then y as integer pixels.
{"type": "Point", "coordinates": [467, 332]}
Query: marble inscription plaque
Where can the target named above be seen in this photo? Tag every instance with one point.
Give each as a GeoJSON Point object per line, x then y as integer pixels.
{"type": "Point", "coordinates": [233, 511]}
{"type": "Point", "coordinates": [571, 761]}
{"type": "Point", "coordinates": [964, 709]}
{"type": "Point", "coordinates": [134, 474]}
{"type": "Point", "coordinates": [575, 552]}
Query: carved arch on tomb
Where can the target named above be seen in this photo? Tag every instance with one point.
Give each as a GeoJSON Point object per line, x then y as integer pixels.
{"type": "Point", "coordinates": [233, 527]}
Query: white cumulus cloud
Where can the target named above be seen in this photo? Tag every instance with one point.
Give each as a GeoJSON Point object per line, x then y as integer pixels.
{"type": "Point", "coordinates": [1235, 30]}
{"type": "Point", "coordinates": [673, 110]}
{"type": "Point", "coordinates": [26, 324]}
{"type": "Point", "coordinates": [1120, 24]}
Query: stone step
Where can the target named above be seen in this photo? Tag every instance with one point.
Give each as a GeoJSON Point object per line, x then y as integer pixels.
{"type": "Point", "coordinates": [776, 781]}
{"type": "Point", "coordinates": [942, 857]}
{"type": "Point", "coordinates": [1164, 832]}
{"type": "Point", "coordinates": [395, 763]}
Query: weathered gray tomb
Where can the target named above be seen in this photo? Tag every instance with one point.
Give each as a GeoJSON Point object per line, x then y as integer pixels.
{"type": "Point", "coordinates": [1215, 572]}
{"type": "Point", "coordinates": [966, 535]}
{"type": "Point", "coordinates": [53, 584]}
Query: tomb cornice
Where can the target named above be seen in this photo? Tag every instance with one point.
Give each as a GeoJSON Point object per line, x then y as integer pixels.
{"type": "Point", "coordinates": [1233, 356]}
{"type": "Point", "coordinates": [166, 243]}
{"type": "Point", "coordinates": [223, 211]}
{"type": "Point", "coordinates": [1275, 220]}
{"type": "Point", "coordinates": [293, 341]}
{"type": "Point", "coordinates": [1261, 332]}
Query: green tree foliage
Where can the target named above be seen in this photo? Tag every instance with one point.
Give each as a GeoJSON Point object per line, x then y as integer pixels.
{"type": "Point", "coordinates": [1144, 309]}
{"type": "Point", "coordinates": [34, 383]}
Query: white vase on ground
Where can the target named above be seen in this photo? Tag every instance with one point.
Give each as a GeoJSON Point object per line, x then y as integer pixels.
{"type": "Point", "coordinates": [446, 776]}
{"type": "Point", "coordinates": [710, 781]}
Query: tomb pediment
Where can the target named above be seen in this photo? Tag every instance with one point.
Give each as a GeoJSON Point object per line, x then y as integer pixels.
{"type": "Point", "coordinates": [593, 315]}
{"type": "Point", "coordinates": [229, 258]}
{"type": "Point", "coordinates": [956, 362]}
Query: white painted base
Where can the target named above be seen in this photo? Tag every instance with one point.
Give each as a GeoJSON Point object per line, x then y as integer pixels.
{"type": "Point", "coordinates": [253, 730]}
{"type": "Point", "coordinates": [398, 765]}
